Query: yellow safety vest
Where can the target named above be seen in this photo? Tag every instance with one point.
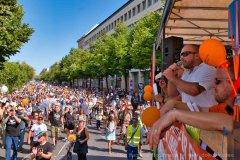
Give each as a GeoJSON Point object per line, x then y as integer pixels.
{"type": "Point", "coordinates": [136, 137]}
{"type": "Point", "coordinates": [140, 122]}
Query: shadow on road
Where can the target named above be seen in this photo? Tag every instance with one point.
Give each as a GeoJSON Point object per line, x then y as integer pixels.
{"type": "Point", "coordinates": [90, 157]}
{"type": "Point", "coordinates": [96, 148]}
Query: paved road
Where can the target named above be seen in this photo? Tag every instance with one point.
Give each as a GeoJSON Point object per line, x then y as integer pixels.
{"type": "Point", "coordinates": [97, 148]}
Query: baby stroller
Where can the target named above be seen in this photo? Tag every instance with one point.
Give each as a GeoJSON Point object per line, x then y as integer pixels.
{"type": "Point", "coordinates": [71, 141]}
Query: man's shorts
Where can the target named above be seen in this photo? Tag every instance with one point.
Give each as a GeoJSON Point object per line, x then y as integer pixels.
{"type": "Point", "coordinates": [56, 131]}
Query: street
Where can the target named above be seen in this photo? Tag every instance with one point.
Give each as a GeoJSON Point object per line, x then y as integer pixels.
{"type": "Point", "coordinates": [97, 148]}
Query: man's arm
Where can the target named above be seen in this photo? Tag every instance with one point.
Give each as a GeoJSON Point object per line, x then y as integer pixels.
{"type": "Point", "coordinates": [25, 117]}
{"type": "Point", "coordinates": [5, 120]}
{"type": "Point", "coordinates": [30, 133]}
{"type": "Point", "coordinates": [169, 105]}
{"type": "Point", "coordinates": [47, 136]}
{"type": "Point", "coordinates": [206, 121]}
{"type": "Point", "coordinates": [190, 88]}
{"type": "Point", "coordinates": [170, 73]}
{"type": "Point", "coordinates": [34, 153]}
{"type": "Point", "coordinates": [62, 120]}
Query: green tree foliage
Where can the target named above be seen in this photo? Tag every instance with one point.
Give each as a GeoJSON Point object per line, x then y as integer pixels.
{"type": "Point", "coordinates": [13, 33]}
{"type": "Point", "coordinates": [89, 65]}
{"type": "Point", "coordinates": [121, 48]}
{"type": "Point", "coordinates": [53, 75]}
{"type": "Point", "coordinates": [15, 74]}
{"type": "Point", "coordinates": [141, 39]}
{"type": "Point", "coordinates": [29, 71]}
{"type": "Point", "coordinates": [104, 49]}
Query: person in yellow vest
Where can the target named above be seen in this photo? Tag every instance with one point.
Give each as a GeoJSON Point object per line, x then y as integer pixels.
{"type": "Point", "coordinates": [137, 115]}
{"type": "Point", "coordinates": [134, 134]}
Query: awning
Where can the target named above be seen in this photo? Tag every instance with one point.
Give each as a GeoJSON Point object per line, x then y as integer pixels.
{"type": "Point", "coordinates": [195, 20]}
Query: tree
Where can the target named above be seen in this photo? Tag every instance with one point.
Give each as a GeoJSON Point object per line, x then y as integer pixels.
{"type": "Point", "coordinates": [122, 50]}
{"type": "Point", "coordinates": [141, 39]}
{"type": "Point", "coordinates": [29, 71]}
{"type": "Point", "coordinates": [13, 33]}
{"type": "Point", "coordinates": [104, 50]}
{"type": "Point", "coordinates": [14, 74]}
{"type": "Point", "coordinates": [68, 66]}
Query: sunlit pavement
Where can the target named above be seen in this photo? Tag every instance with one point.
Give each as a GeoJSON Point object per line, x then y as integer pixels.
{"type": "Point", "coordinates": [97, 148]}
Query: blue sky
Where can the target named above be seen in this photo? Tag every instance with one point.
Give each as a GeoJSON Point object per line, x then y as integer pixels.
{"type": "Point", "coordinates": [58, 24]}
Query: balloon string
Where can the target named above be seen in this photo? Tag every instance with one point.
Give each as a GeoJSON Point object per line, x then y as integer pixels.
{"type": "Point", "coordinates": [234, 90]}
{"type": "Point", "coordinates": [236, 113]}
{"type": "Point", "coordinates": [236, 64]}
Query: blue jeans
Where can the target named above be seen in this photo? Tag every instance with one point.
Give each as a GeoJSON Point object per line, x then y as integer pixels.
{"type": "Point", "coordinates": [22, 133]}
{"type": "Point", "coordinates": [11, 140]}
{"type": "Point", "coordinates": [132, 152]}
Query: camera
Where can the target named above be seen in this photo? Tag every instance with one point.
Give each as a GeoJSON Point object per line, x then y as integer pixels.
{"type": "Point", "coordinates": [40, 150]}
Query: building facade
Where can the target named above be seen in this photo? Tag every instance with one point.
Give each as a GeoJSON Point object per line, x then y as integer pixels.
{"type": "Point", "coordinates": [129, 14]}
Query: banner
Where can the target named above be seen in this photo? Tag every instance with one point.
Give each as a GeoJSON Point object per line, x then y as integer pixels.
{"type": "Point", "coordinates": [177, 144]}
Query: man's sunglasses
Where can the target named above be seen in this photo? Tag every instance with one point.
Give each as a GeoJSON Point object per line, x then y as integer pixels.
{"type": "Point", "coordinates": [219, 80]}
{"type": "Point", "coordinates": [186, 53]}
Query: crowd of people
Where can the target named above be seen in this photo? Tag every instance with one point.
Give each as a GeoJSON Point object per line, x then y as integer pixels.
{"type": "Point", "coordinates": [39, 106]}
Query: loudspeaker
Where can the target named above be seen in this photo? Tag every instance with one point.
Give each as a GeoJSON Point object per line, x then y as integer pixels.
{"type": "Point", "coordinates": [172, 48]}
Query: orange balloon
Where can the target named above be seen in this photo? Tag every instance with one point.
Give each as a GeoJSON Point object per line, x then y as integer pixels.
{"type": "Point", "coordinates": [72, 137]}
{"type": "Point", "coordinates": [104, 117]}
{"type": "Point", "coordinates": [148, 88]}
{"type": "Point", "coordinates": [147, 96]}
{"type": "Point", "coordinates": [150, 115]}
{"type": "Point", "coordinates": [25, 101]}
{"type": "Point", "coordinates": [213, 52]}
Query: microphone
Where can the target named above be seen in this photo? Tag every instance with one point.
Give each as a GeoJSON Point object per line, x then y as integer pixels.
{"type": "Point", "coordinates": [179, 63]}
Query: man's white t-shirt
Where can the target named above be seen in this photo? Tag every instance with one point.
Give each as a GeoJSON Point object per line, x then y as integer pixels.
{"type": "Point", "coordinates": [203, 75]}
{"type": "Point", "coordinates": [94, 100]}
{"type": "Point", "coordinates": [37, 128]}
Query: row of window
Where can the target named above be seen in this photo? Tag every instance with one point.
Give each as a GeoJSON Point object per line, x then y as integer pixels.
{"type": "Point", "coordinates": [131, 13]}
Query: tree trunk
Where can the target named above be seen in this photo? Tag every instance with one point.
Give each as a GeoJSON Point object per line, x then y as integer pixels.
{"type": "Point", "coordinates": [107, 83]}
{"type": "Point", "coordinates": [126, 78]}
{"type": "Point", "coordinates": [99, 84]}
{"type": "Point", "coordinates": [116, 85]}
{"type": "Point", "coordinates": [86, 84]}
{"type": "Point", "coordinates": [90, 83]}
